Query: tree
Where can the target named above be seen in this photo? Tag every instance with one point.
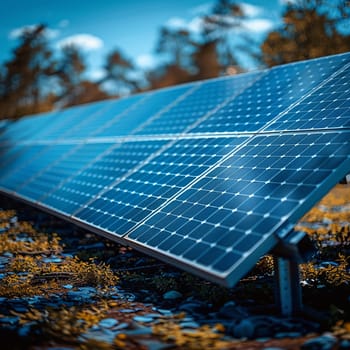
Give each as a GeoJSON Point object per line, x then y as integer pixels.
{"type": "Point", "coordinates": [225, 16]}
{"type": "Point", "coordinates": [167, 75]}
{"type": "Point", "coordinates": [311, 28]}
{"type": "Point", "coordinates": [176, 45]}
{"type": "Point", "coordinates": [206, 60]}
{"type": "Point", "coordinates": [74, 88]}
{"type": "Point", "coordinates": [120, 75]}
{"type": "Point", "coordinates": [89, 91]}
{"type": "Point", "coordinates": [26, 77]}
{"type": "Point", "coordinates": [69, 72]}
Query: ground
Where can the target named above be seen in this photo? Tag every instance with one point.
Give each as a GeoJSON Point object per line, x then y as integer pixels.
{"type": "Point", "coordinates": [64, 288]}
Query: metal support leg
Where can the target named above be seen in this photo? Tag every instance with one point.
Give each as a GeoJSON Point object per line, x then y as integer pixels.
{"type": "Point", "coordinates": [288, 289]}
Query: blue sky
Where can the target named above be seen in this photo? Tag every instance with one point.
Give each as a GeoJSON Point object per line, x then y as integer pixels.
{"type": "Point", "coordinates": [98, 27]}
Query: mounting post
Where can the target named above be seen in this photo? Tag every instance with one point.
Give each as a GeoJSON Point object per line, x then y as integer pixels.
{"type": "Point", "coordinates": [345, 180]}
{"type": "Point", "coordinates": [294, 248]}
{"type": "Point", "coordinates": [288, 289]}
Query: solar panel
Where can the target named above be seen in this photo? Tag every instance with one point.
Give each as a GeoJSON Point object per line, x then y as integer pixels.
{"type": "Point", "coordinates": [226, 215]}
{"type": "Point", "coordinates": [209, 175]}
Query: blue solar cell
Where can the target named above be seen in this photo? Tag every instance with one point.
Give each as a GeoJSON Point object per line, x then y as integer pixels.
{"type": "Point", "coordinates": [271, 95]}
{"type": "Point", "coordinates": [65, 121]}
{"type": "Point", "coordinates": [327, 107]}
{"type": "Point", "coordinates": [111, 111]}
{"type": "Point", "coordinates": [200, 103]}
{"type": "Point", "coordinates": [8, 154]}
{"type": "Point", "coordinates": [74, 160]}
{"type": "Point", "coordinates": [153, 103]}
{"type": "Point", "coordinates": [130, 201]}
{"type": "Point", "coordinates": [111, 166]}
{"type": "Point", "coordinates": [230, 211]}
{"type": "Point", "coordinates": [35, 159]}
{"type": "Point", "coordinates": [26, 127]}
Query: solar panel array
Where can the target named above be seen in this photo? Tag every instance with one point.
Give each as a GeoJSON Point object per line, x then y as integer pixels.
{"type": "Point", "coordinates": [204, 175]}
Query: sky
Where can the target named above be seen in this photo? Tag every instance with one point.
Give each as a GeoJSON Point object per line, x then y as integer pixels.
{"type": "Point", "coordinates": [98, 27]}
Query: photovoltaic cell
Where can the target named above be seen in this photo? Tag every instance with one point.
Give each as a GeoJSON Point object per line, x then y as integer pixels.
{"type": "Point", "coordinates": [112, 165]}
{"type": "Point", "coordinates": [221, 219]}
{"type": "Point", "coordinates": [326, 107]}
{"type": "Point", "coordinates": [26, 127]}
{"type": "Point", "coordinates": [271, 95]}
{"type": "Point", "coordinates": [31, 161]}
{"type": "Point", "coordinates": [8, 154]}
{"type": "Point", "coordinates": [59, 171]}
{"type": "Point", "coordinates": [112, 110]}
{"type": "Point", "coordinates": [197, 104]}
{"type": "Point", "coordinates": [67, 119]}
{"type": "Point", "coordinates": [138, 195]}
{"type": "Point", "coordinates": [153, 104]}
{"type": "Point", "coordinates": [17, 160]}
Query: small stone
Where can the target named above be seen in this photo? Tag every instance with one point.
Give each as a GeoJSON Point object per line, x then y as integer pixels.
{"type": "Point", "coordinates": [127, 311]}
{"type": "Point", "coordinates": [104, 335]}
{"type": "Point", "coordinates": [140, 331]}
{"type": "Point", "coordinates": [194, 307]}
{"type": "Point", "coordinates": [244, 329]}
{"type": "Point", "coordinates": [232, 311]}
{"type": "Point", "coordinates": [171, 295]}
{"type": "Point", "coordinates": [108, 322]}
{"type": "Point", "coordinates": [82, 294]}
{"type": "Point", "coordinates": [10, 320]}
{"type": "Point", "coordinates": [4, 260]}
{"type": "Point", "coordinates": [8, 255]}
{"type": "Point", "coordinates": [129, 296]}
{"type": "Point", "coordinates": [189, 325]}
{"type": "Point", "coordinates": [153, 315]}
{"type": "Point", "coordinates": [344, 345]}
{"type": "Point", "coordinates": [282, 335]}
{"type": "Point", "coordinates": [14, 220]}
{"type": "Point", "coordinates": [324, 342]}
{"type": "Point", "coordinates": [53, 260]}
{"type": "Point", "coordinates": [143, 319]}
{"type": "Point", "coordinates": [24, 330]}
{"type": "Point", "coordinates": [165, 312]}
{"type": "Point", "coordinates": [122, 325]}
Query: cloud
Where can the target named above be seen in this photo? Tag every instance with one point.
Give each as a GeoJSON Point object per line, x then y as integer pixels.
{"type": "Point", "coordinates": [251, 10]}
{"type": "Point", "coordinates": [258, 25]}
{"type": "Point", "coordinates": [287, 2]}
{"type": "Point", "coordinates": [146, 61]}
{"type": "Point", "coordinates": [193, 26]}
{"type": "Point", "coordinates": [201, 9]}
{"type": "Point", "coordinates": [18, 32]}
{"type": "Point", "coordinates": [97, 74]}
{"type": "Point", "coordinates": [176, 23]}
{"type": "Point", "coordinates": [85, 42]}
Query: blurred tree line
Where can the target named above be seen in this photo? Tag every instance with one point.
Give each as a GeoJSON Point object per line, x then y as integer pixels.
{"type": "Point", "coordinates": [36, 80]}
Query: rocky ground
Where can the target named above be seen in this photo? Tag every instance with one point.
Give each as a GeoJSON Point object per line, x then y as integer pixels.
{"type": "Point", "coordinates": [64, 288]}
